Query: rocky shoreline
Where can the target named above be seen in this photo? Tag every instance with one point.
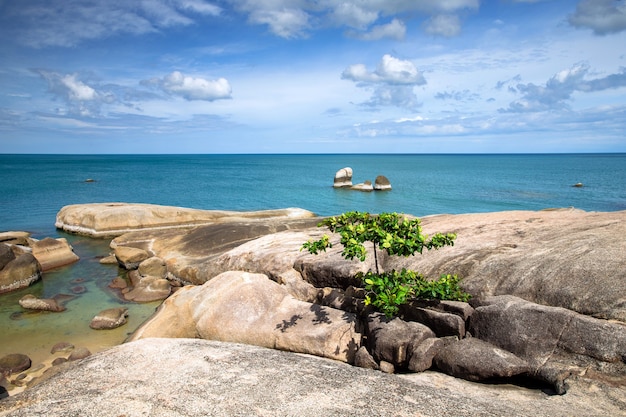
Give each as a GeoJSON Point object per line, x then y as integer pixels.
{"type": "Point", "coordinates": [547, 304]}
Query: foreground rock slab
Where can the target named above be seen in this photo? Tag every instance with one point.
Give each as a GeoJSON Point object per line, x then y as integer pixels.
{"type": "Point", "coordinates": [191, 377]}
{"type": "Point", "coordinates": [114, 219]}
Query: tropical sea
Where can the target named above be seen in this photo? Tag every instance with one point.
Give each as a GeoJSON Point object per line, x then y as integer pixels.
{"type": "Point", "coordinates": [35, 187]}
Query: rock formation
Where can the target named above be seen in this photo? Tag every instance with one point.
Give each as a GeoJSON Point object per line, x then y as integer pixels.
{"type": "Point", "coordinates": [24, 259]}
{"type": "Point", "coordinates": [114, 219]}
{"type": "Point", "coordinates": [110, 318]}
{"type": "Point", "coordinates": [250, 308]}
{"type": "Point", "coordinates": [382, 183]}
{"type": "Point", "coordinates": [343, 178]}
{"type": "Point", "coordinates": [208, 378]}
{"type": "Point", "coordinates": [363, 186]}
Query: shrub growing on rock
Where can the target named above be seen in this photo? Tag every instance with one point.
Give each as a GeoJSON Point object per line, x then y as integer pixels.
{"type": "Point", "coordinates": [397, 235]}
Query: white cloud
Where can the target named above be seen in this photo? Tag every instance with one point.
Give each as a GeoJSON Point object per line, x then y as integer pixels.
{"type": "Point", "coordinates": [80, 98]}
{"type": "Point", "coordinates": [558, 90]}
{"type": "Point", "coordinates": [390, 70]}
{"type": "Point", "coordinates": [445, 25]}
{"type": "Point", "coordinates": [293, 18]}
{"type": "Point", "coordinates": [70, 22]}
{"type": "Point", "coordinates": [393, 82]}
{"type": "Point", "coordinates": [191, 88]}
{"type": "Point", "coordinates": [602, 16]}
{"type": "Point", "coordinates": [395, 29]}
{"type": "Point", "coordinates": [286, 23]}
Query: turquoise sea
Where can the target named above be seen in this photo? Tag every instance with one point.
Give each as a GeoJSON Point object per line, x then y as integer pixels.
{"type": "Point", "coordinates": [33, 188]}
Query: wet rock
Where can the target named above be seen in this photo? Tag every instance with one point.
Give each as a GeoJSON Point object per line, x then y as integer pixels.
{"type": "Point", "coordinates": [111, 318]}
{"type": "Point", "coordinates": [14, 363]}
{"type": "Point", "coordinates": [118, 283]}
{"type": "Point", "coordinates": [31, 302]}
{"type": "Point", "coordinates": [62, 347]}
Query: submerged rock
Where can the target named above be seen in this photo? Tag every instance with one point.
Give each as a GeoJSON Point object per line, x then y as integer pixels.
{"type": "Point", "coordinates": [110, 318]}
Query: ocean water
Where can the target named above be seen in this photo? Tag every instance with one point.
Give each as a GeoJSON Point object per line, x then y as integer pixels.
{"type": "Point", "coordinates": [33, 188]}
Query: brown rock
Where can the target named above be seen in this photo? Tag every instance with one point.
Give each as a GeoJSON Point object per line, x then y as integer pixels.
{"type": "Point", "coordinates": [154, 267]}
{"type": "Point", "coordinates": [21, 272]}
{"type": "Point", "coordinates": [363, 359]}
{"type": "Point", "coordinates": [31, 302]}
{"type": "Point", "coordinates": [6, 255]}
{"type": "Point", "coordinates": [62, 347]}
{"type": "Point", "coordinates": [250, 308]}
{"type": "Point", "coordinates": [423, 354]}
{"type": "Point", "coordinates": [14, 363]}
{"type": "Point", "coordinates": [53, 253]}
{"type": "Point", "coordinates": [79, 353]}
{"type": "Point", "coordinates": [381, 183]}
{"type": "Point", "coordinates": [15, 238]}
{"type": "Point", "coordinates": [149, 289]}
{"type": "Point", "coordinates": [111, 318]}
{"type": "Point", "coordinates": [130, 258]}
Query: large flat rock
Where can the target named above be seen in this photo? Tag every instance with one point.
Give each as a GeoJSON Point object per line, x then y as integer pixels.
{"type": "Point", "coordinates": [564, 258]}
{"type": "Point", "coordinates": [114, 219]}
{"type": "Point", "coordinates": [192, 377]}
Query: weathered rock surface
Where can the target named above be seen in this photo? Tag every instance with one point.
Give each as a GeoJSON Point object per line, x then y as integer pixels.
{"type": "Point", "coordinates": [381, 183]}
{"type": "Point", "coordinates": [198, 254]}
{"type": "Point", "coordinates": [129, 257]}
{"type": "Point", "coordinates": [154, 267]}
{"type": "Point", "coordinates": [554, 341]}
{"type": "Point", "coordinates": [19, 272]}
{"type": "Point", "coordinates": [53, 253]}
{"type": "Point", "coordinates": [149, 289]}
{"type": "Point", "coordinates": [477, 360]}
{"type": "Point", "coordinates": [343, 178]}
{"type": "Point", "coordinates": [200, 378]}
{"type": "Point", "coordinates": [114, 219]}
{"type": "Point", "coordinates": [250, 308]}
{"type": "Point", "coordinates": [563, 258]}
{"type": "Point", "coordinates": [15, 238]}
{"type": "Point", "coordinates": [110, 318]}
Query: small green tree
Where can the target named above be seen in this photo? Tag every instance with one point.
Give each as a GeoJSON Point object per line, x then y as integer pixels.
{"type": "Point", "coordinates": [397, 235]}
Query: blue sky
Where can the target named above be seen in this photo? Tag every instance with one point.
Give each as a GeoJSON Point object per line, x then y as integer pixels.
{"type": "Point", "coordinates": [305, 76]}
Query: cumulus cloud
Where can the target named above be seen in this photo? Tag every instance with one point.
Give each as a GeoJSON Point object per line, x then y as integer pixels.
{"type": "Point", "coordinates": [392, 80]}
{"type": "Point", "coordinates": [293, 18]}
{"type": "Point", "coordinates": [558, 90]}
{"type": "Point", "coordinates": [80, 98]}
{"type": "Point", "coordinates": [390, 70]}
{"type": "Point", "coordinates": [445, 25]}
{"type": "Point", "coordinates": [190, 88]}
{"type": "Point", "coordinates": [601, 16]}
{"type": "Point", "coordinates": [71, 22]}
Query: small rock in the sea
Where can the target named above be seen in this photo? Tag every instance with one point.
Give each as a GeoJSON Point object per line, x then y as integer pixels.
{"type": "Point", "coordinates": [31, 302]}
{"type": "Point", "coordinates": [13, 363]}
{"type": "Point", "coordinates": [381, 183]}
{"type": "Point", "coordinates": [110, 318]}
{"type": "Point", "coordinates": [58, 361]}
{"type": "Point", "coordinates": [62, 347]}
{"type": "Point", "coordinates": [90, 180]}
{"type": "Point", "coordinates": [79, 289]}
{"type": "Point", "coordinates": [578, 185]}
{"type": "Point", "coordinates": [80, 353]}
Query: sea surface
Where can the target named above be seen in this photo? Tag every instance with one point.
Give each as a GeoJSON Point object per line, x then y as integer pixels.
{"type": "Point", "coordinates": [33, 188]}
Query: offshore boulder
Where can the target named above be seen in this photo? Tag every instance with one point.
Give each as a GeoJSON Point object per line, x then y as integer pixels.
{"type": "Point", "coordinates": [343, 178]}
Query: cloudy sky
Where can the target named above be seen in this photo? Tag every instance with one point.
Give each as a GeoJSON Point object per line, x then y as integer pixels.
{"type": "Point", "coordinates": [312, 76]}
